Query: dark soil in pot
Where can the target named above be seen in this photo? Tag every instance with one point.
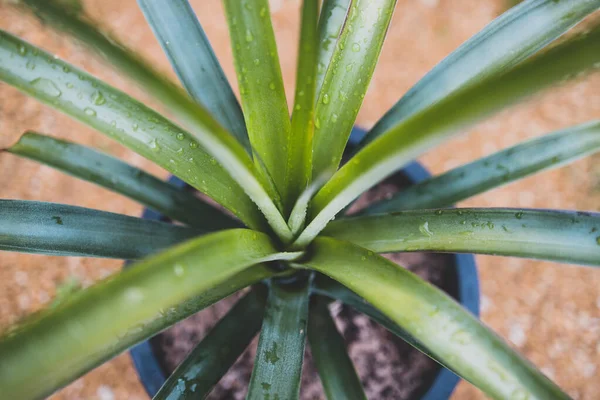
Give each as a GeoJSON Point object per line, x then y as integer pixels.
{"type": "Point", "coordinates": [388, 367]}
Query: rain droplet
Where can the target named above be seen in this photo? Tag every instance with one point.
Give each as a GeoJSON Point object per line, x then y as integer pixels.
{"type": "Point", "coordinates": [461, 337]}
{"type": "Point", "coordinates": [249, 36]}
{"type": "Point", "coordinates": [90, 111]}
{"type": "Point", "coordinates": [519, 215]}
{"type": "Point", "coordinates": [135, 127]}
{"type": "Point", "coordinates": [134, 295]}
{"type": "Point", "coordinates": [22, 50]}
{"type": "Point", "coordinates": [46, 86]}
{"type": "Point", "coordinates": [272, 86]}
{"type": "Point", "coordinates": [213, 161]}
{"type": "Point", "coordinates": [256, 61]}
{"type": "Point", "coordinates": [424, 229]}
{"type": "Point", "coordinates": [356, 47]}
{"type": "Point", "coordinates": [263, 11]}
{"type": "Point", "coordinates": [30, 65]}
{"type": "Point", "coordinates": [325, 98]}
{"type": "Point", "coordinates": [334, 117]}
{"type": "Point", "coordinates": [193, 145]}
{"type": "Point", "coordinates": [154, 145]}
{"type": "Point", "coordinates": [519, 394]}
{"type": "Point", "coordinates": [180, 136]}
{"type": "Point", "coordinates": [98, 98]}
{"type": "Point", "coordinates": [179, 270]}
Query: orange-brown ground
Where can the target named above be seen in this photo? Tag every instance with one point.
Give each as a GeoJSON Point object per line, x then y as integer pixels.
{"type": "Point", "coordinates": [550, 312]}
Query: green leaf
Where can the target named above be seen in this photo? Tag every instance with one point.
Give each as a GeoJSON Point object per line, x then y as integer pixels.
{"type": "Point", "coordinates": [567, 236]}
{"type": "Point", "coordinates": [101, 321]}
{"type": "Point", "coordinates": [506, 41]}
{"type": "Point", "coordinates": [182, 38]}
{"type": "Point", "coordinates": [128, 61]}
{"type": "Point", "coordinates": [549, 151]}
{"type": "Point", "coordinates": [113, 174]}
{"type": "Point", "coordinates": [347, 78]}
{"type": "Point", "coordinates": [300, 152]}
{"type": "Point", "coordinates": [124, 119]}
{"type": "Point", "coordinates": [449, 116]}
{"type": "Point", "coordinates": [261, 87]}
{"type": "Point", "coordinates": [278, 364]}
{"type": "Point", "coordinates": [218, 350]}
{"type": "Point", "coordinates": [328, 349]}
{"type": "Point", "coordinates": [331, 21]}
{"type": "Point", "coordinates": [71, 6]}
{"type": "Point", "coordinates": [59, 229]}
{"type": "Point", "coordinates": [459, 340]}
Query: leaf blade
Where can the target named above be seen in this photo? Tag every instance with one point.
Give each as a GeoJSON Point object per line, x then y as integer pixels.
{"type": "Point", "coordinates": [563, 236]}
{"type": "Point", "coordinates": [549, 151]}
{"type": "Point", "coordinates": [332, 18]}
{"type": "Point", "coordinates": [58, 229]}
{"type": "Point", "coordinates": [327, 346]}
{"type": "Point", "coordinates": [111, 173]}
{"type": "Point", "coordinates": [300, 152]}
{"type": "Point", "coordinates": [96, 332]}
{"type": "Point", "coordinates": [347, 78]}
{"type": "Point", "coordinates": [261, 87]}
{"type": "Point", "coordinates": [458, 339]}
{"type": "Point", "coordinates": [506, 41]}
{"type": "Point", "coordinates": [447, 117]}
{"type": "Point", "coordinates": [183, 40]}
{"type": "Point", "coordinates": [203, 368]}
{"type": "Point", "coordinates": [282, 339]}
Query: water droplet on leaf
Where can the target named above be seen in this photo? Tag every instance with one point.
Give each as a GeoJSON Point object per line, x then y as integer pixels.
{"type": "Point", "coordinates": [424, 229]}
{"type": "Point", "coordinates": [98, 98]}
{"type": "Point", "coordinates": [154, 145]}
{"type": "Point", "coordinates": [46, 86]}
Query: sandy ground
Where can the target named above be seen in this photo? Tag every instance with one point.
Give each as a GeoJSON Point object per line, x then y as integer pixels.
{"type": "Point", "coordinates": [550, 312]}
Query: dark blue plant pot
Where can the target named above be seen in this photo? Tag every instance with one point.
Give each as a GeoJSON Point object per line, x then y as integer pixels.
{"type": "Point", "coordinates": [467, 294]}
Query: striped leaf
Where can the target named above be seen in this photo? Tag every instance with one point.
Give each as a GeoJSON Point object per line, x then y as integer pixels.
{"type": "Point", "coordinates": [567, 236]}
{"type": "Point", "coordinates": [90, 165]}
